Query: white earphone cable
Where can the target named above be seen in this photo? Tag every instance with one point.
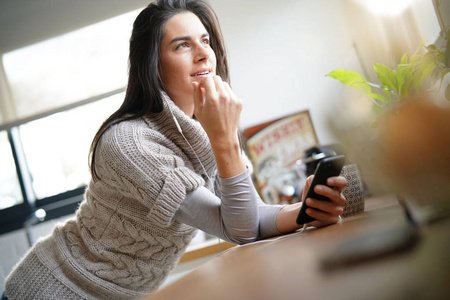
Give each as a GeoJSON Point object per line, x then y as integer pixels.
{"type": "Point", "coordinates": [190, 146]}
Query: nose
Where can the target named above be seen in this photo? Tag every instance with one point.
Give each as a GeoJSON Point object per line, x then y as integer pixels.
{"type": "Point", "coordinates": [202, 53]}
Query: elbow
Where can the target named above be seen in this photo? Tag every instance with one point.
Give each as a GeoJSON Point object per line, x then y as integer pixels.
{"type": "Point", "coordinates": [245, 241]}
{"type": "Point", "coordinates": [245, 236]}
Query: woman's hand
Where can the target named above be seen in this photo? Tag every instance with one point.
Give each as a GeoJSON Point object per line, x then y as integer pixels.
{"type": "Point", "coordinates": [326, 212]}
{"type": "Point", "coordinates": [218, 110]}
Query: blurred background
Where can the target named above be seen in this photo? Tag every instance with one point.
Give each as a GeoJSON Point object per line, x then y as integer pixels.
{"type": "Point", "coordinates": [63, 70]}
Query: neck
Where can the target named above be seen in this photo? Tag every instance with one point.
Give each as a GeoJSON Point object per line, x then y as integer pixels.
{"type": "Point", "coordinates": [186, 106]}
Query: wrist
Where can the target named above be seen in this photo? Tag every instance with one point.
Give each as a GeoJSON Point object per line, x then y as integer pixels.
{"type": "Point", "coordinates": [225, 141]}
{"type": "Point", "coordinates": [287, 216]}
{"type": "Point", "coordinates": [229, 159]}
{"type": "Point", "coordinates": [225, 145]}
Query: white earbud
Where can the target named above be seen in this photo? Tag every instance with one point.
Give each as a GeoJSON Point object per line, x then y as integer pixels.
{"type": "Point", "coordinates": [176, 123]}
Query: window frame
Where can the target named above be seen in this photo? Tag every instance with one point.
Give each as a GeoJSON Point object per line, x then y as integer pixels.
{"type": "Point", "coordinates": [14, 217]}
{"type": "Point", "coordinates": [62, 204]}
{"type": "Point", "coordinates": [56, 206]}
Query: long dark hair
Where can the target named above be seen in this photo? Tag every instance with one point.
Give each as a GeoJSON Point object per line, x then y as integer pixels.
{"type": "Point", "coordinates": [143, 93]}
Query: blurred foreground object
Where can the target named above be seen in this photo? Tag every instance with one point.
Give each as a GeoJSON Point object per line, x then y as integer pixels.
{"type": "Point", "coordinates": [408, 153]}
{"type": "Point", "coordinates": [414, 150]}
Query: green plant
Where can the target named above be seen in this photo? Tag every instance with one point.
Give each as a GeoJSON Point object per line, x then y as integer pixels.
{"type": "Point", "coordinates": [397, 84]}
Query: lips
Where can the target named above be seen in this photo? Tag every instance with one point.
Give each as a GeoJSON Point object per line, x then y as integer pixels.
{"type": "Point", "coordinates": [201, 73]}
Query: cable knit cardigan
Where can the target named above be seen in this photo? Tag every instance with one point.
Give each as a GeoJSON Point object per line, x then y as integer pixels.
{"type": "Point", "coordinates": [123, 241]}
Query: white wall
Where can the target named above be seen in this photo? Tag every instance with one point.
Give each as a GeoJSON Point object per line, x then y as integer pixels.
{"type": "Point", "coordinates": [279, 52]}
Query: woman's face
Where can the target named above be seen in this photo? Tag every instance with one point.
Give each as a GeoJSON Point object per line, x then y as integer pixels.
{"type": "Point", "coordinates": [186, 56]}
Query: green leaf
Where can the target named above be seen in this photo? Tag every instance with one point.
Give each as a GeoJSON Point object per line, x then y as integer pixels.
{"type": "Point", "coordinates": [387, 92]}
{"type": "Point", "coordinates": [375, 97]}
{"type": "Point", "coordinates": [423, 71]}
{"type": "Point", "coordinates": [400, 82]}
{"type": "Point", "coordinates": [404, 59]}
{"type": "Point", "coordinates": [350, 78]}
{"type": "Point", "coordinates": [386, 76]}
{"type": "Point", "coordinates": [415, 56]}
{"type": "Point", "coordinates": [408, 83]}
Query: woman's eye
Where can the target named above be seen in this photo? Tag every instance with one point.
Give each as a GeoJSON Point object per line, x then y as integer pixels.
{"type": "Point", "coordinates": [182, 45]}
{"type": "Point", "coordinates": [205, 41]}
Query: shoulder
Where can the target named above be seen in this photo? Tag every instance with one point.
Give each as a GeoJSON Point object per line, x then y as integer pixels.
{"type": "Point", "coordinates": [139, 145]}
{"type": "Point", "coordinates": [132, 135]}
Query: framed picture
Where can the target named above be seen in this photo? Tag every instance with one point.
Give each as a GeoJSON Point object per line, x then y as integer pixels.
{"type": "Point", "coordinates": [274, 147]}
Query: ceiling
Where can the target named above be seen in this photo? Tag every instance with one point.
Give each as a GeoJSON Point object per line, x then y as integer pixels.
{"type": "Point", "coordinates": [24, 22]}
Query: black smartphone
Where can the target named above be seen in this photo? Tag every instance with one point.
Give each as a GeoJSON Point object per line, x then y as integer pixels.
{"type": "Point", "coordinates": [327, 167]}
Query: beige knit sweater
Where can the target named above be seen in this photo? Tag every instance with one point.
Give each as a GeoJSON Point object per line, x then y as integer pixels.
{"type": "Point", "coordinates": [123, 241]}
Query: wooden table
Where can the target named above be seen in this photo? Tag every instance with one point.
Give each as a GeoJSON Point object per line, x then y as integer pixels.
{"type": "Point", "coordinates": [289, 267]}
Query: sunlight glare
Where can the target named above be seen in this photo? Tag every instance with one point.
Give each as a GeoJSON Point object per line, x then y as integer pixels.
{"type": "Point", "coordinates": [386, 7]}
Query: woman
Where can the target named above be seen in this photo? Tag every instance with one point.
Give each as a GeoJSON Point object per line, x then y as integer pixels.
{"type": "Point", "coordinates": [159, 173]}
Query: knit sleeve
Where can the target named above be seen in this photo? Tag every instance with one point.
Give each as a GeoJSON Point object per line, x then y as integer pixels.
{"type": "Point", "coordinates": [142, 165]}
{"type": "Point", "coordinates": [177, 183]}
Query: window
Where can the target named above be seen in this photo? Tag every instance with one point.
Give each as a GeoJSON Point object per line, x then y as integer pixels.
{"type": "Point", "coordinates": [55, 95]}
{"type": "Point", "coordinates": [69, 68]}
{"type": "Point", "coordinates": [10, 193]}
{"type": "Point", "coordinates": [56, 148]}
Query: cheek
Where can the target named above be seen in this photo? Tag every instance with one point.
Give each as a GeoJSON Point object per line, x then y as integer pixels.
{"type": "Point", "coordinates": [170, 72]}
{"type": "Point", "coordinates": [167, 68]}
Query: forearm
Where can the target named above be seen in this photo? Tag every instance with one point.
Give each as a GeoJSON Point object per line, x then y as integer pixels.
{"type": "Point", "coordinates": [233, 218]}
{"type": "Point", "coordinates": [240, 217]}
{"type": "Point", "coordinates": [286, 218]}
{"type": "Point", "coordinates": [228, 155]}
{"type": "Point", "coordinates": [239, 209]}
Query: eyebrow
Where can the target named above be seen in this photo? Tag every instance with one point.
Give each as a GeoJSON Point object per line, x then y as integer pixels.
{"type": "Point", "coordinates": [186, 38]}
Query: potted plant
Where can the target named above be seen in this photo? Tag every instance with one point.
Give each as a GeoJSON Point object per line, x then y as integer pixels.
{"type": "Point", "coordinates": [410, 77]}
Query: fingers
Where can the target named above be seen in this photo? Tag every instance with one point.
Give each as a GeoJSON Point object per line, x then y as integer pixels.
{"type": "Point", "coordinates": [215, 89]}
{"type": "Point", "coordinates": [334, 194]}
{"type": "Point", "coordinates": [219, 98]}
{"type": "Point", "coordinates": [327, 212]}
{"type": "Point", "coordinates": [326, 207]}
{"type": "Point", "coordinates": [334, 190]}
{"type": "Point", "coordinates": [202, 90]}
{"type": "Point", "coordinates": [322, 217]}
{"type": "Point", "coordinates": [338, 182]}
{"type": "Point", "coordinates": [219, 84]}
{"type": "Point", "coordinates": [323, 211]}
{"type": "Point", "coordinates": [217, 109]}
{"type": "Point", "coordinates": [209, 86]}
{"type": "Point", "coordinates": [198, 103]}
